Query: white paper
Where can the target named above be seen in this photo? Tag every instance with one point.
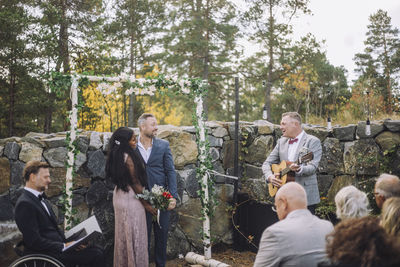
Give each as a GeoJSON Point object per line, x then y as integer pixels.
{"type": "Point", "coordinates": [90, 225]}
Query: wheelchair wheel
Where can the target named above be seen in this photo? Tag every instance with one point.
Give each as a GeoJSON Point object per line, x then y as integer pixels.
{"type": "Point", "coordinates": [36, 260]}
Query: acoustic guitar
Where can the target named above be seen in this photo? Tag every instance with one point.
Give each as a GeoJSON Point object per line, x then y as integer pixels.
{"type": "Point", "coordinates": [285, 173]}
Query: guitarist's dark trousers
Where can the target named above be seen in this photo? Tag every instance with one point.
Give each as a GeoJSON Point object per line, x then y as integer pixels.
{"type": "Point", "coordinates": [312, 208]}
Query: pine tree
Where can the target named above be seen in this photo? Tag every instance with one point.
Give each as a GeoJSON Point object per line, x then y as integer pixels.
{"type": "Point", "coordinates": [15, 58]}
{"type": "Point", "coordinates": [132, 33]}
{"type": "Point", "coordinates": [200, 41]}
{"type": "Point", "coordinates": [64, 29]}
{"type": "Point", "coordinates": [268, 23]}
{"type": "Point", "coordinates": [379, 64]}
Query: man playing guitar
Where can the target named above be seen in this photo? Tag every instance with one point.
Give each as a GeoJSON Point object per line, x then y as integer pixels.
{"type": "Point", "coordinates": [292, 145]}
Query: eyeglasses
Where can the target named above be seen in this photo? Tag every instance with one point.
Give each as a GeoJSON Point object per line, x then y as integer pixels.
{"type": "Point", "coordinates": [273, 208]}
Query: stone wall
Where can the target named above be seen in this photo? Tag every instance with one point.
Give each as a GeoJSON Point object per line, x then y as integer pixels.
{"type": "Point", "coordinates": [349, 157]}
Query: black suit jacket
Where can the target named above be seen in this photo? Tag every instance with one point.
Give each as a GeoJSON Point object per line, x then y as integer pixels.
{"type": "Point", "coordinates": [39, 229]}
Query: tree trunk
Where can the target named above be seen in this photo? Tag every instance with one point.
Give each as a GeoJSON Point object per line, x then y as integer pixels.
{"type": "Point", "coordinates": [117, 113]}
{"type": "Point", "coordinates": [48, 116]}
{"type": "Point", "coordinates": [268, 85]}
{"type": "Point", "coordinates": [132, 64]}
{"type": "Point", "coordinates": [62, 60]}
{"type": "Point", "coordinates": [206, 58]}
{"type": "Point", "coordinates": [387, 78]}
{"type": "Point", "coordinates": [124, 108]}
{"type": "Point", "coordinates": [63, 38]}
{"type": "Point", "coordinates": [11, 94]}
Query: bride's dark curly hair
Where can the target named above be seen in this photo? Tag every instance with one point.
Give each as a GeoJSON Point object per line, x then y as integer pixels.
{"type": "Point", "coordinates": [116, 170]}
{"type": "Point", "coordinates": [362, 242]}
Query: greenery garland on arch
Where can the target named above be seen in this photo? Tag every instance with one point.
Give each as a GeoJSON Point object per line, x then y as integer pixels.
{"type": "Point", "coordinates": [195, 88]}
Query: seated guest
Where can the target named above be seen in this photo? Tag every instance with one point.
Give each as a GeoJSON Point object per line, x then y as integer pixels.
{"type": "Point", "coordinates": [386, 186]}
{"type": "Point", "coordinates": [362, 242]}
{"type": "Point", "coordinates": [38, 223]}
{"type": "Point", "coordinates": [298, 239]}
{"type": "Point", "coordinates": [390, 217]}
{"type": "Point", "coordinates": [351, 203]}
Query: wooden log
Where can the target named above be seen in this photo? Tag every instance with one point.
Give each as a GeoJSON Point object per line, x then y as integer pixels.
{"type": "Point", "coordinates": [194, 258]}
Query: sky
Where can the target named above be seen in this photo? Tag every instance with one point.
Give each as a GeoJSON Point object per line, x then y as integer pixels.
{"type": "Point", "coordinates": [343, 24]}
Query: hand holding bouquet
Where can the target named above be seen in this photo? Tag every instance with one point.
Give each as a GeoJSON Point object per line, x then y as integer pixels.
{"type": "Point", "coordinates": [158, 197]}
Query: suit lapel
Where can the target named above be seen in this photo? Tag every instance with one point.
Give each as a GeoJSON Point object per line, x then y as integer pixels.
{"type": "Point", "coordinates": [52, 215]}
{"type": "Point", "coordinates": [140, 155]}
{"type": "Point", "coordinates": [154, 147]}
{"type": "Point", "coordinates": [39, 203]}
{"type": "Point", "coordinates": [285, 147]}
{"type": "Point", "coordinates": [301, 145]}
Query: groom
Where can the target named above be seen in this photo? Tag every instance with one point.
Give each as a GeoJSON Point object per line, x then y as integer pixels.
{"type": "Point", "coordinates": [160, 170]}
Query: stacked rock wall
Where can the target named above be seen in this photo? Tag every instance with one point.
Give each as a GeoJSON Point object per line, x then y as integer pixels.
{"type": "Point", "coordinates": [349, 157]}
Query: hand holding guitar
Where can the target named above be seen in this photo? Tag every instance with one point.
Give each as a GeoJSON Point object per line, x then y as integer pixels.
{"type": "Point", "coordinates": [275, 180]}
{"type": "Point", "coordinates": [294, 167]}
{"type": "Point", "coordinates": [285, 172]}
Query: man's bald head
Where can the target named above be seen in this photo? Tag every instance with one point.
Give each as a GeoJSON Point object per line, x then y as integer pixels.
{"type": "Point", "coordinates": [386, 186]}
{"type": "Point", "coordinates": [290, 197]}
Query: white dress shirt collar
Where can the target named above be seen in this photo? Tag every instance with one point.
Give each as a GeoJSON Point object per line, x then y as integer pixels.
{"type": "Point", "coordinates": [145, 152]}
{"type": "Point", "coordinates": [33, 191]}
{"type": "Point", "coordinates": [299, 136]}
{"type": "Point", "coordinates": [293, 147]}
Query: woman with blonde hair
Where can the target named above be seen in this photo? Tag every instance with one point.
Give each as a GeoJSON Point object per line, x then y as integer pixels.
{"type": "Point", "coordinates": [351, 203]}
{"type": "Point", "coordinates": [390, 219]}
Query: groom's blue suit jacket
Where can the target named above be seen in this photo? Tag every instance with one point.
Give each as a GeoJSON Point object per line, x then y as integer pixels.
{"type": "Point", "coordinates": [160, 167]}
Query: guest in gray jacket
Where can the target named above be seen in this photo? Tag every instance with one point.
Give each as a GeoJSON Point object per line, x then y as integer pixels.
{"type": "Point", "coordinates": [298, 239]}
{"type": "Point", "coordinates": [293, 144]}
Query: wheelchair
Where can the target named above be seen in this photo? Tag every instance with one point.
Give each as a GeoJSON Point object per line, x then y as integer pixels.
{"type": "Point", "coordinates": [36, 260]}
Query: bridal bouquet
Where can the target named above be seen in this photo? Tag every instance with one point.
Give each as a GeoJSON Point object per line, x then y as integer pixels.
{"type": "Point", "coordinates": [158, 197]}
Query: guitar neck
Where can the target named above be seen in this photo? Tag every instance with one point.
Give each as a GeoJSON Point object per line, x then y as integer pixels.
{"type": "Point", "coordinates": [287, 169]}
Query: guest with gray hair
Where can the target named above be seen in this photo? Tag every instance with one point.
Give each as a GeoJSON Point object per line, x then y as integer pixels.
{"type": "Point", "coordinates": [386, 186]}
{"type": "Point", "coordinates": [351, 203]}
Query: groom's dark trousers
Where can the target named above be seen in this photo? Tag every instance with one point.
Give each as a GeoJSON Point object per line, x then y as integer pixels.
{"type": "Point", "coordinates": [41, 234]}
{"type": "Point", "coordinates": [160, 236]}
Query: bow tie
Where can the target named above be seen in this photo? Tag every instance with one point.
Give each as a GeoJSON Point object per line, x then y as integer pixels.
{"type": "Point", "coordinates": [293, 141]}
{"type": "Point", "coordinates": [42, 196]}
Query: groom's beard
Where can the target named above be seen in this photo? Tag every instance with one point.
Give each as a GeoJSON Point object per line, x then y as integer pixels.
{"type": "Point", "coordinates": [151, 135]}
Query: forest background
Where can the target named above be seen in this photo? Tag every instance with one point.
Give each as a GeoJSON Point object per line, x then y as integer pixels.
{"type": "Point", "coordinates": [185, 38]}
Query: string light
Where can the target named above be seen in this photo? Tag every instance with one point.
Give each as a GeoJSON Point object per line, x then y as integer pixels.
{"type": "Point", "coordinates": [329, 127]}
{"type": "Point", "coordinates": [368, 123]}
{"type": "Point", "coordinates": [368, 128]}
{"type": "Point", "coordinates": [265, 113]}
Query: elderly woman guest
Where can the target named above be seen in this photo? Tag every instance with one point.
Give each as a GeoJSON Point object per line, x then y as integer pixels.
{"type": "Point", "coordinates": [390, 218]}
{"type": "Point", "coordinates": [351, 203]}
{"type": "Point", "coordinates": [126, 170]}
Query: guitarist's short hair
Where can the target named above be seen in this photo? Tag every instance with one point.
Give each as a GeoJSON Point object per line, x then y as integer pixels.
{"type": "Point", "coordinates": [293, 115]}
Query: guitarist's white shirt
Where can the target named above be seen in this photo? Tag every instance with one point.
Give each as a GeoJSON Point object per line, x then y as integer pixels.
{"type": "Point", "coordinates": [292, 148]}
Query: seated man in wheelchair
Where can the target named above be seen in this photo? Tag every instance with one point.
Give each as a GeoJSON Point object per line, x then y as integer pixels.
{"type": "Point", "coordinates": [38, 224]}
